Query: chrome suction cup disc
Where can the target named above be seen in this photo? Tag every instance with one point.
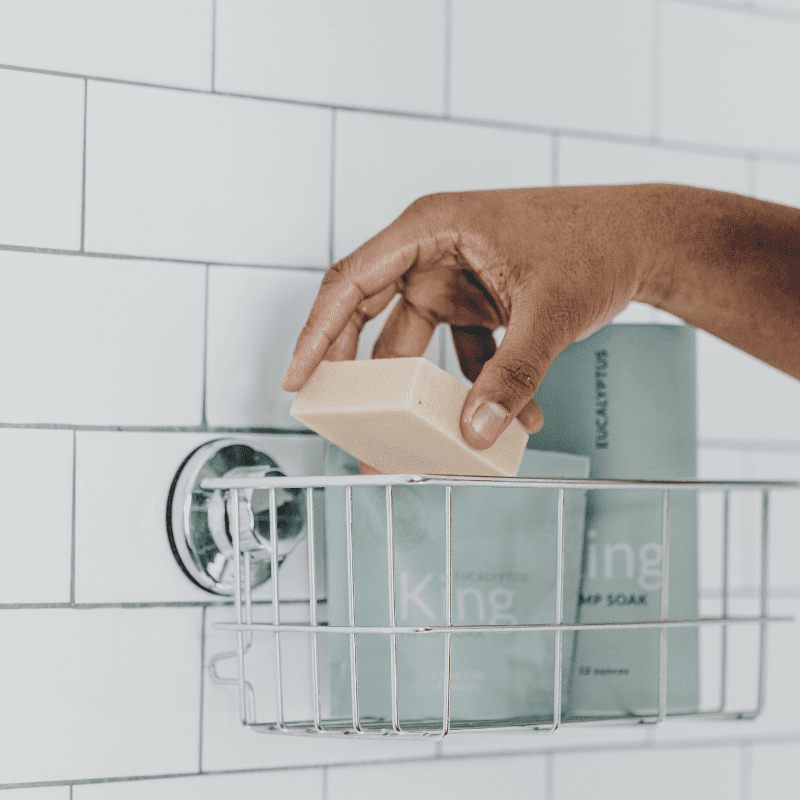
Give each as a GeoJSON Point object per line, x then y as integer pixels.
{"type": "Point", "coordinates": [199, 520]}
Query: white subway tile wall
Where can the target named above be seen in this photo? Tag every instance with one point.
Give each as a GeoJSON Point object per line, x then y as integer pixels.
{"type": "Point", "coordinates": [724, 78]}
{"type": "Point", "coordinates": [353, 53]}
{"type": "Point", "coordinates": [199, 176]}
{"type": "Point", "coordinates": [38, 517]}
{"type": "Point", "coordinates": [148, 41]}
{"type": "Point", "coordinates": [100, 341]}
{"type": "Point", "coordinates": [41, 159]}
{"type": "Point", "coordinates": [578, 64]}
{"type": "Point", "coordinates": [175, 177]}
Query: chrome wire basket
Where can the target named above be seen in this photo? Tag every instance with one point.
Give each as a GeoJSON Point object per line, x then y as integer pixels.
{"type": "Point", "coordinates": [356, 723]}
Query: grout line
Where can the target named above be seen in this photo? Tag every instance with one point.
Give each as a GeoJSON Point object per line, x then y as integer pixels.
{"type": "Point", "coordinates": [686, 744]}
{"type": "Point", "coordinates": [128, 257]}
{"type": "Point", "coordinates": [213, 44]}
{"type": "Point", "coordinates": [70, 792]}
{"type": "Point", "coordinates": [72, 533]}
{"type": "Point", "coordinates": [555, 160]}
{"type": "Point", "coordinates": [332, 215]}
{"type": "Point", "coordinates": [202, 694]}
{"type": "Point", "coordinates": [658, 39]}
{"type": "Point", "coordinates": [549, 775]}
{"type": "Point", "coordinates": [750, 8]}
{"type": "Point", "coordinates": [621, 138]}
{"type": "Point", "coordinates": [158, 428]}
{"type": "Point", "coordinates": [83, 177]}
{"type": "Point", "coordinates": [746, 775]}
{"type": "Point", "coordinates": [324, 783]}
{"type": "Point", "coordinates": [755, 445]}
{"type": "Point", "coordinates": [448, 55]}
{"type": "Point", "coordinates": [203, 419]}
{"type": "Point", "coordinates": [155, 604]}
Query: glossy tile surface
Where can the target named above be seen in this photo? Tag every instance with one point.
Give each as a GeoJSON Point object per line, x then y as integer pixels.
{"type": "Point", "coordinates": [389, 55]}
{"type": "Point", "coordinates": [197, 176]}
{"type": "Point", "coordinates": [149, 41]}
{"type": "Point", "coordinates": [101, 341]}
{"type": "Point", "coordinates": [41, 159]}
{"type": "Point", "coordinates": [37, 518]}
{"type": "Point", "coordinates": [99, 693]}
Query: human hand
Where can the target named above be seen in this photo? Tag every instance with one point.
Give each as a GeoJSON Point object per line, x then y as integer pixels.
{"type": "Point", "coordinates": [551, 265]}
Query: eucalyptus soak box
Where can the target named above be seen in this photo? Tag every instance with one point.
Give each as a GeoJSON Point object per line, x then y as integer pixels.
{"type": "Point", "coordinates": [504, 572]}
{"type": "Point", "coordinates": [626, 398]}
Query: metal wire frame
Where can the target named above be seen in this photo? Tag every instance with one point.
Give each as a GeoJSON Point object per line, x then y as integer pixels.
{"type": "Point", "coordinates": [244, 627]}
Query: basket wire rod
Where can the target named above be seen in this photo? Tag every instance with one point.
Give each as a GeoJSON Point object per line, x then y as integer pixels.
{"type": "Point", "coordinates": [762, 645]}
{"type": "Point", "coordinates": [276, 606]}
{"type": "Point", "coordinates": [351, 606]}
{"type": "Point", "coordinates": [448, 602]}
{"type": "Point", "coordinates": [662, 669]}
{"type": "Point", "coordinates": [726, 510]}
{"type": "Point", "coordinates": [237, 595]}
{"type": "Point", "coordinates": [248, 615]}
{"type": "Point", "coordinates": [312, 605]}
{"type": "Point", "coordinates": [392, 608]}
{"type": "Point", "coordinates": [559, 613]}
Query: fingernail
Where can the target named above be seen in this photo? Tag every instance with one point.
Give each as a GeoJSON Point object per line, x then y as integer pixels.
{"type": "Point", "coordinates": [488, 420]}
{"type": "Point", "coordinates": [286, 374]}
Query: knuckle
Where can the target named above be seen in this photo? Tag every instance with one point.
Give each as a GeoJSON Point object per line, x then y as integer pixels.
{"type": "Point", "coordinates": [520, 378]}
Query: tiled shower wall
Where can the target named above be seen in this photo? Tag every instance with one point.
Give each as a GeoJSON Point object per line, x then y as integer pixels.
{"type": "Point", "coordinates": [175, 177]}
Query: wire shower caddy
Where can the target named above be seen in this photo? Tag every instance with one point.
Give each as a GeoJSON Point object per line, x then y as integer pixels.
{"type": "Point", "coordinates": [355, 724]}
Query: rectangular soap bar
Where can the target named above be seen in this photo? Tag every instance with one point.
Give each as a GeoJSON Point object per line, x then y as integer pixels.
{"type": "Point", "coordinates": [401, 415]}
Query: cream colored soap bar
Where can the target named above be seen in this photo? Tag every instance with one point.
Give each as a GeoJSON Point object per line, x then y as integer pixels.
{"type": "Point", "coordinates": [401, 415]}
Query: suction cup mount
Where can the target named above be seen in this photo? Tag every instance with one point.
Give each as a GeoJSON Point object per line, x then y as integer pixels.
{"type": "Point", "coordinates": [199, 520]}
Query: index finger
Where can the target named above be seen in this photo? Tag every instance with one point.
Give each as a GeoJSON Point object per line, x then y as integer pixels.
{"type": "Point", "coordinates": [368, 270]}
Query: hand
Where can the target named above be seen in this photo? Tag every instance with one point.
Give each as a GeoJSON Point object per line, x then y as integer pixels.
{"type": "Point", "coordinates": [550, 265]}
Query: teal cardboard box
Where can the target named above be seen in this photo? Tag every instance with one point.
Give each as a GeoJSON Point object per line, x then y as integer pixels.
{"type": "Point", "coordinates": [626, 398]}
{"type": "Point", "coordinates": [504, 573]}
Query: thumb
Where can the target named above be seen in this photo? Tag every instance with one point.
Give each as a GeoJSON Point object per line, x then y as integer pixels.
{"type": "Point", "coordinates": [508, 380]}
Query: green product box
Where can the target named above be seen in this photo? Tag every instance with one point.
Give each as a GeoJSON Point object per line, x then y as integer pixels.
{"type": "Point", "coordinates": [504, 572]}
{"type": "Point", "coordinates": [626, 398]}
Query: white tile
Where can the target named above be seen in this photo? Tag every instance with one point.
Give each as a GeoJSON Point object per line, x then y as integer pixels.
{"type": "Point", "coordinates": [99, 693]}
{"type": "Point", "coordinates": [204, 177]}
{"type": "Point", "coordinates": [229, 745]}
{"type": "Point", "coordinates": [740, 397]}
{"type": "Point", "coordinates": [101, 341]}
{"type": "Point", "coordinates": [305, 783]}
{"type": "Point", "coordinates": [583, 162]}
{"type": "Point", "coordinates": [148, 41]}
{"type": "Point", "coordinates": [512, 776]}
{"type": "Point", "coordinates": [782, 696]}
{"type": "Point", "coordinates": [38, 793]}
{"type": "Point", "coordinates": [38, 515]}
{"type": "Point", "coordinates": [744, 521]}
{"type": "Point", "coordinates": [778, 183]}
{"type": "Point", "coordinates": [383, 163]}
{"type": "Point", "coordinates": [350, 53]}
{"type": "Point", "coordinates": [699, 772]}
{"type": "Point", "coordinates": [122, 552]}
{"type": "Point", "coordinates": [784, 517]}
{"type": "Point", "coordinates": [726, 77]}
{"type": "Point", "coordinates": [779, 5]}
{"type": "Point", "coordinates": [41, 159]}
{"type": "Point", "coordinates": [254, 319]}
{"type": "Point", "coordinates": [775, 771]}
{"type": "Point", "coordinates": [567, 737]}
{"type": "Point", "coordinates": [576, 64]}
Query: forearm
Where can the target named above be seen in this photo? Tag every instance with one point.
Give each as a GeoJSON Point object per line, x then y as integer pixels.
{"type": "Point", "coordinates": [727, 264]}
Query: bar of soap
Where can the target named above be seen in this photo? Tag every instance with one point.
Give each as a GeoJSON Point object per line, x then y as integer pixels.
{"type": "Point", "coordinates": [401, 415]}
